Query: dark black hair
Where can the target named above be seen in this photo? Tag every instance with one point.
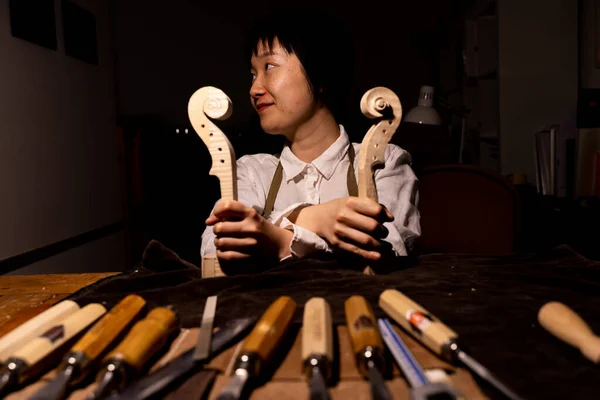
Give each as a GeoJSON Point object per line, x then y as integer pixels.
{"type": "Point", "coordinates": [322, 43]}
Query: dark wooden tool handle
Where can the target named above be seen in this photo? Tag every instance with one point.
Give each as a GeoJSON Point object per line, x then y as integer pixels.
{"type": "Point", "coordinates": [146, 337]}
{"type": "Point", "coordinates": [95, 341]}
{"type": "Point", "coordinates": [271, 327]}
{"type": "Point", "coordinates": [362, 325]}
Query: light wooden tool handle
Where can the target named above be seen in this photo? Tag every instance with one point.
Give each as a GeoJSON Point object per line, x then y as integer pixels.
{"type": "Point", "coordinates": [145, 338]}
{"type": "Point", "coordinates": [270, 328]}
{"type": "Point", "coordinates": [110, 325]}
{"type": "Point", "coordinates": [417, 321]}
{"type": "Point", "coordinates": [362, 325]}
{"type": "Point", "coordinates": [44, 344]}
{"type": "Point", "coordinates": [568, 326]}
{"type": "Point", "coordinates": [317, 329]}
{"type": "Point", "coordinates": [19, 336]}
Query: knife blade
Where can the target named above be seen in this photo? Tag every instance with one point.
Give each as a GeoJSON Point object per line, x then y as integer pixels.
{"type": "Point", "coordinates": [203, 347]}
{"type": "Point", "coordinates": [154, 383]}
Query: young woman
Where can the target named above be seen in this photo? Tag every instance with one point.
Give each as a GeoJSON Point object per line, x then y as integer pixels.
{"type": "Point", "coordinates": [304, 202]}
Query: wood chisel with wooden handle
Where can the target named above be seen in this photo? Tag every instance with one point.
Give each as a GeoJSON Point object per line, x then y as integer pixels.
{"type": "Point", "coordinates": [430, 331]}
{"type": "Point", "coordinates": [76, 364]}
{"type": "Point", "coordinates": [317, 346]}
{"type": "Point", "coordinates": [23, 362]}
{"type": "Point", "coordinates": [366, 344]}
{"type": "Point", "coordinates": [567, 325]}
{"type": "Point", "coordinates": [155, 384]}
{"type": "Point", "coordinates": [19, 336]}
{"type": "Point", "coordinates": [146, 338]}
{"type": "Point", "coordinates": [259, 346]}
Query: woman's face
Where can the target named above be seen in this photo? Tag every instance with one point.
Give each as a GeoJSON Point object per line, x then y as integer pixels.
{"type": "Point", "coordinates": [280, 92]}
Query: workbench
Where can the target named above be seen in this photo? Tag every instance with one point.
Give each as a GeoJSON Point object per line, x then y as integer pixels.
{"type": "Point", "coordinates": [491, 302]}
{"type": "Point", "coordinates": [22, 297]}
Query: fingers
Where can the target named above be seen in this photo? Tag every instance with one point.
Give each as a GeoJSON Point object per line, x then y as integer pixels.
{"type": "Point", "coordinates": [362, 223]}
{"type": "Point", "coordinates": [369, 207]}
{"type": "Point", "coordinates": [230, 210]}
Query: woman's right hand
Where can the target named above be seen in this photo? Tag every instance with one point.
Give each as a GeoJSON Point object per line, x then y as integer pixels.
{"type": "Point", "coordinates": [350, 224]}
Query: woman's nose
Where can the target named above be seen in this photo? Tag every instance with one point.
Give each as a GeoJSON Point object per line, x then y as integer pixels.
{"type": "Point", "coordinates": [257, 89]}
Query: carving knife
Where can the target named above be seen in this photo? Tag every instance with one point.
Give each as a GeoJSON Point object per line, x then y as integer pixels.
{"type": "Point", "coordinates": [76, 364]}
{"type": "Point", "coordinates": [430, 331]}
{"type": "Point", "coordinates": [317, 346]}
{"type": "Point", "coordinates": [23, 363]}
{"type": "Point", "coordinates": [141, 343]}
{"type": "Point", "coordinates": [154, 383]}
{"type": "Point", "coordinates": [366, 344]}
{"type": "Point", "coordinates": [206, 327]}
{"type": "Point", "coordinates": [259, 346]}
{"type": "Point", "coordinates": [19, 336]}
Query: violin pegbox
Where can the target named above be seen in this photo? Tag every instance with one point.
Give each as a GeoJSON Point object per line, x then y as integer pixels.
{"type": "Point", "coordinates": [206, 103]}
{"type": "Point", "coordinates": [384, 106]}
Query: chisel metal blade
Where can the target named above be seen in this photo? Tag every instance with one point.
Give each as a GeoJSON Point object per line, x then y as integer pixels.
{"type": "Point", "coordinates": [379, 390]}
{"type": "Point", "coordinates": [160, 379]}
{"type": "Point", "coordinates": [57, 388]}
{"type": "Point", "coordinates": [203, 346]}
{"type": "Point", "coordinates": [318, 387]}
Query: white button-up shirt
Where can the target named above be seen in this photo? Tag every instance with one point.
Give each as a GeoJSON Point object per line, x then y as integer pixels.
{"type": "Point", "coordinates": [322, 180]}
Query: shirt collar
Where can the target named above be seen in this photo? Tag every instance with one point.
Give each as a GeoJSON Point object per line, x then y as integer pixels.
{"type": "Point", "coordinates": [325, 163]}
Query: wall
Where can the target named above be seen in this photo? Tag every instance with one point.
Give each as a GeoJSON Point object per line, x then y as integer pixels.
{"type": "Point", "coordinates": [537, 74]}
{"type": "Point", "coordinates": [58, 153]}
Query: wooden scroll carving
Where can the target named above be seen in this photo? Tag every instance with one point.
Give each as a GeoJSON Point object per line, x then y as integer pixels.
{"type": "Point", "coordinates": [382, 105]}
{"type": "Point", "coordinates": [212, 102]}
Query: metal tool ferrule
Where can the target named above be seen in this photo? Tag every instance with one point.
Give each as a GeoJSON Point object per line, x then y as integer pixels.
{"type": "Point", "coordinates": [450, 351]}
{"type": "Point", "coordinates": [370, 356]}
{"type": "Point", "coordinates": [319, 361]}
{"type": "Point", "coordinates": [250, 362]}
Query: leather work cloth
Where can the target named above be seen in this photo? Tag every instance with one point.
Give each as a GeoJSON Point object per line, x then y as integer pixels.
{"type": "Point", "coordinates": [491, 302]}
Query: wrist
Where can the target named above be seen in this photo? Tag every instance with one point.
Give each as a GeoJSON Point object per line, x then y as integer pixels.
{"type": "Point", "coordinates": [285, 237]}
{"type": "Point", "coordinates": [305, 217]}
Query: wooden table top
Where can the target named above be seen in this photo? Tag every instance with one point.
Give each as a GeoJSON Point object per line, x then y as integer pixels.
{"type": "Point", "coordinates": [22, 297]}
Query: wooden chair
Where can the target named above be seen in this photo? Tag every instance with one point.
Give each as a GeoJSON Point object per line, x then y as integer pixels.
{"type": "Point", "coordinates": [467, 209]}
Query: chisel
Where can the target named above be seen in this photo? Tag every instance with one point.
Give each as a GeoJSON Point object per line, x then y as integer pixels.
{"type": "Point", "coordinates": [366, 344]}
{"type": "Point", "coordinates": [259, 346]}
{"type": "Point", "coordinates": [152, 385]}
{"type": "Point", "coordinates": [430, 331]}
{"type": "Point", "coordinates": [317, 346]}
{"type": "Point", "coordinates": [143, 341]}
{"type": "Point", "coordinates": [19, 336]}
{"type": "Point", "coordinates": [421, 387]}
{"type": "Point", "coordinates": [23, 363]}
{"type": "Point", "coordinates": [208, 316]}
{"type": "Point", "coordinates": [565, 324]}
{"type": "Point", "coordinates": [76, 364]}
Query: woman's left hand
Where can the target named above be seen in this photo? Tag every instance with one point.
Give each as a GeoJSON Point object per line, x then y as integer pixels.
{"type": "Point", "coordinates": [242, 233]}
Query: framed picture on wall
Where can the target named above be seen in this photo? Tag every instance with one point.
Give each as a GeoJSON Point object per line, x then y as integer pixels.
{"type": "Point", "coordinates": [597, 31]}
{"type": "Point", "coordinates": [79, 28]}
{"type": "Point", "coordinates": [34, 21]}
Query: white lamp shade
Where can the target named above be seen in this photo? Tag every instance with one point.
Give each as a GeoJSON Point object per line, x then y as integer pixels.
{"type": "Point", "coordinates": [424, 113]}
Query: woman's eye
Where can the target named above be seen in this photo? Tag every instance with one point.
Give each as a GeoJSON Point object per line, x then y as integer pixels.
{"type": "Point", "coordinates": [253, 77]}
{"type": "Point", "coordinates": [269, 66]}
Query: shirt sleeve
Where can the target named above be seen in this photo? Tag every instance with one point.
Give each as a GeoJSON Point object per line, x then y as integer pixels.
{"type": "Point", "coordinates": [397, 189]}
